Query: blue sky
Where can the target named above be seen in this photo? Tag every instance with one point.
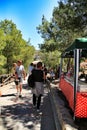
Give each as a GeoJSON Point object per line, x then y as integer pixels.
{"type": "Point", "coordinates": [27, 15]}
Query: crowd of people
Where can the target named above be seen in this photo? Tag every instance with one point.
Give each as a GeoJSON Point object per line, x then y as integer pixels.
{"type": "Point", "coordinates": [40, 74]}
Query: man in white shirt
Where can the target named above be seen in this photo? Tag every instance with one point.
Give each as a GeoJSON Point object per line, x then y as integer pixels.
{"type": "Point", "coordinates": [20, 74]}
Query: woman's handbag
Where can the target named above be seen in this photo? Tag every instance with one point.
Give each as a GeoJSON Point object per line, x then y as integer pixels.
{"type": "Point", "coordinates": [31, 81]}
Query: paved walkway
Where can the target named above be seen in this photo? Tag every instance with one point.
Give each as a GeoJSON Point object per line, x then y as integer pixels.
{"type": "Point", "coordinates": [19, 114]}
{"type": "Point", "coordinates": [47, 119]}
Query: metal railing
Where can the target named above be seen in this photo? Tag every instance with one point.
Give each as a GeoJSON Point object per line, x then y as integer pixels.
{"type": "Point", "coordinates": [5, 79]}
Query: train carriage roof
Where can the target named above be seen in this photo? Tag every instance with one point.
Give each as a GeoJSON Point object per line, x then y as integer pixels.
{"type": "Point", "coordinates": [80, 43]}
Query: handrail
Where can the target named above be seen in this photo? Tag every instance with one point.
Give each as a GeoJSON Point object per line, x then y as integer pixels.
{"type": "Point", "coordinates": [5, 79]}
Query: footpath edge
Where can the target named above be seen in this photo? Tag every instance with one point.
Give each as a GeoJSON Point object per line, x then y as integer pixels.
{"type": "Point", "coordinates": [58, 111]}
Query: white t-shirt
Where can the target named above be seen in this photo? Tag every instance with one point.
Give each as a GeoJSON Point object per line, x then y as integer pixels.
{"type": "Point", "coordinates": [19, 70]}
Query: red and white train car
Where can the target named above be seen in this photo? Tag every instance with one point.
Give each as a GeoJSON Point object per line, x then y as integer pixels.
{"type": "Point", "coordinates": [73, 77]}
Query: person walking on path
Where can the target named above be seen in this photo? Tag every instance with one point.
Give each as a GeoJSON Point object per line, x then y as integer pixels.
{"type": "Point", "coordinates": [30, 68]}
{"type": "Point", "coordinates": [19, 74]}
{"type": "Point", "coordinates": [38, 90]}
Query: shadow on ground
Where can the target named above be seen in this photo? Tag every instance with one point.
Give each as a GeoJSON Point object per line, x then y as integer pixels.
{"type": "Point", "coordinates": [22, 115]}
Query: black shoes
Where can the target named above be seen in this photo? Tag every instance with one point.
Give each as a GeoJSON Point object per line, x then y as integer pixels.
{"type": "Point", "coordinates": [20, 96]}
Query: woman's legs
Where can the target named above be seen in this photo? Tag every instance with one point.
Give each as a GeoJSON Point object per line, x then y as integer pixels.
{"type": "Point", "coordinates": [34, 99]}
{"type": "Point", "coordinates": [39, 101]}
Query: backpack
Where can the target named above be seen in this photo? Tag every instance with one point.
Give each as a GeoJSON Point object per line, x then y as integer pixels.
{"type": "Point", "coordinates": [31, 81]}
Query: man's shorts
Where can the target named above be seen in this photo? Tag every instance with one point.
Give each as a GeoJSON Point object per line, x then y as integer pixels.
{"type": "Point", "coordinates": [17, 81]}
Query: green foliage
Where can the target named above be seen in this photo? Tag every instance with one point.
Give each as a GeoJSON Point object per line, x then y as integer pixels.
{"type": "Point", "coordinates": [69, 21]}
{"type": "Point", "coordinates": [71, 18]}
{"type": "Point", "coordinates": [13, 47]}
{"type": "Point", "coordinates": [50, 59]}
{"type": "Point", "coordinates": [2, 63]}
